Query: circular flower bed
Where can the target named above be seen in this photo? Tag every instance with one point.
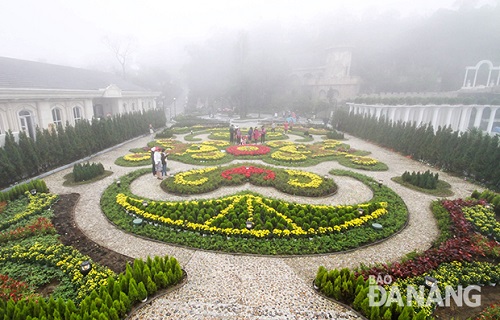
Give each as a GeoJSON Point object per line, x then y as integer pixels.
{"type": "Point", "coordinates": [135, 157]}
{"type": "Point", "coordinates": [248, 150]}
{"type": "Point", "coordinates": [364, 161]}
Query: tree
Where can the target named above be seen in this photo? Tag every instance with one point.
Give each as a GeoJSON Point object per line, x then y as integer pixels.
{"type": "Point", "coordinates": [122, 48]}
{"type": "Point", "coordinates": [14, 155]}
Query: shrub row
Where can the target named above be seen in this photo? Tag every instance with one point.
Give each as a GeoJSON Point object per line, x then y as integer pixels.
{"type": "Point", "coordinates": [19, 190]}
{"type": "Point", "coordinates": [112, 301]}
{"type": "Point", "coordinates": [48, 150]}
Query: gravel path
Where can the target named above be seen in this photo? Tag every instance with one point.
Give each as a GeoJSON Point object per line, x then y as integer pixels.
{"type": "Point", "coordinates": [226, 286]}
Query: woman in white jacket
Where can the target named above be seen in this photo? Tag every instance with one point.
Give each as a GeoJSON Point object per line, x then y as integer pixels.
{"type": "Point", "coordinates": [158, 165]}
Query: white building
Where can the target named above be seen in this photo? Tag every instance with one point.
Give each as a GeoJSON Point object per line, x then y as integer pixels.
{"type": "Point", "coordinates": [45, 95]}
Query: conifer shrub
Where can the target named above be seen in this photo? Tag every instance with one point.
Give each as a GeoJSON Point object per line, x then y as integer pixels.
{"type": "Point", "coordinates": [426, 180]}
{"type": "Point", "coordinates": [87, 171]}
{"type": "Point", "coordinates": [141, 290]}
{"type": "Point", "coordinates": [334, 135]}
{"type": "Point", "coordinates": [165, 134]}
{"type": "Point", "coordinates": [490, 196]}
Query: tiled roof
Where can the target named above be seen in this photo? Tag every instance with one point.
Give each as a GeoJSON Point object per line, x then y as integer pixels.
{"type": "Point", "coordinates": [15, 73]}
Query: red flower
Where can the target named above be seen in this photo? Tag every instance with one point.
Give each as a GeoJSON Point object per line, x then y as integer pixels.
{"type": "Point", "coordinates": [247, 172]}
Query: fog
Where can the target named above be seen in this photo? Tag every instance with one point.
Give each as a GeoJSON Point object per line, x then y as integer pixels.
{"type": "Point", "coordinates": [204, 43]}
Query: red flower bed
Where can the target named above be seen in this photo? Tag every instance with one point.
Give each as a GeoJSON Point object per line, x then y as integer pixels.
{"type": "Point", "coordinates": [10, 288]}
{"type": "Point", "coordinates": [40, 226]}
{"type": "Point", "coordinates": [247, 172]}
{"type": "Point", "coordinates": [248, 150]}
{"type": "Point", "coordinates": [459, 248]}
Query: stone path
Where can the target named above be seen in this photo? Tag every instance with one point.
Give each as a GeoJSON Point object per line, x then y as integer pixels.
{"type": "Point", "coordinates": [226, 286]}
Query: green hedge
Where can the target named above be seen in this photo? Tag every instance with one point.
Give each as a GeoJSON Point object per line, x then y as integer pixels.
{"type": "Point", "coordinates": [30, 157]}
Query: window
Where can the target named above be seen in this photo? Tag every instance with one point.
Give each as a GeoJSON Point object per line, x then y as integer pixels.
{"type": "Point", "coordinates": [26, 123]}
{"type": "Point", "coordinates": [77, 113]}
{"type": "Point", "coordinates": [56, 116]}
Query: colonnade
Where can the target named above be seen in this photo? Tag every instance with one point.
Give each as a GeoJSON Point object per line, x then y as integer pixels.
{"type": "Point", "coordinates": [459, 117]}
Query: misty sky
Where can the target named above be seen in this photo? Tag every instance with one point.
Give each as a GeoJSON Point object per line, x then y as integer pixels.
{"type": "Point", "coordinates": [71, 32]}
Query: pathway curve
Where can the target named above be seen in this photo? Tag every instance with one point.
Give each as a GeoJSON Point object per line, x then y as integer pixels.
{"type": "Point", "coordinates": [227, 286]}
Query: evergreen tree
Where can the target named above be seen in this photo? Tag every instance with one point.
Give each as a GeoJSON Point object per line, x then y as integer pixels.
{"type": "Point", "coordinates": [15, 155]}
{"type": "Point", "coordinates": [29, 154]}
{"type": "Point", "coordinates": [7, 169]}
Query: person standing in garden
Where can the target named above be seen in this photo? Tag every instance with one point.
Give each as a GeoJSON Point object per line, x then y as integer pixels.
{"type": "Point", "coordinates": [273, 127]}
{"type": "Point", "coordinates": [238, 135]}
{"type": "Point", "coordinates": [164, 162]}
{"type": "Point", "coordinates": [263, 135]}
{"type": "Point", "coordinates": [250, 134]}
{"type": "Point", "coordinates": [151, 131]}
{"type": "Point", "coordinates": [153, 149]}
{"type": "Point", "coordinates": [231, 134]}
{"type": "Point", "coordinates": [256, 135]}
{"type": "Point", "coordinates": [285, 127]}
{"type": "Point", "coordinates": [158, 166]}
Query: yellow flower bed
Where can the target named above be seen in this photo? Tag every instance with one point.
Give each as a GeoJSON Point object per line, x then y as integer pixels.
{"type": "Point", "coordinates": [286, 156]}
{"type": "Point", "coordinates": [66, 258]}
{"type": "Point", "coordinates": [292, 228]}
{"type": "Point", "coordinates": [299, 148]}
{"type": "Point", "coordinates": [314, 180]}
{"type": "Point", "coordinates": [220, 134]}
{"type": "Point", "coordinates": [37, 202]}
{"type": "Point", "coordinates": [363, 161]}
{"type": "Point", "coordinates": [270, 134]}
{"type": "Point", "coordinates": [330, 144]}
{"type": "Point", "coordinates": [218, 143]}
{"type": "Point", "coordinates": [135, 157]}
{"type": "Point", "coordinates": [167, 143]}
{"type": "Point", "coordinates": [215, 155]}
{"type": "Point", "coordinates": [180, 178]}
{"type": "Point", "coordinates": [277, 144]}
{"type": "Point", "coordinates": [201, 148]}
{"type": "Point", "coordinates": [248, 148]}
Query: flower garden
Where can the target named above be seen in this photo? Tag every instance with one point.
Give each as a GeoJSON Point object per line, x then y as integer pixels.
{"type": "Point", "coordinates": [251, 223]}
{"type": "Point", "coordinates": [277, 152]}
{"type": "Point", "coordinates": [466, 253]}
{"type": "Point", "coordinates": [31, 251]}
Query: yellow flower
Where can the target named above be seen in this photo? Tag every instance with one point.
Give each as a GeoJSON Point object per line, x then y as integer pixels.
{"type": "Point", "coordinates": [314, 180]}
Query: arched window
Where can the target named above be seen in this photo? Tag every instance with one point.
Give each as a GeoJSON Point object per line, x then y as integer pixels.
{"type": "Point", "coordinates": [26, 123]}
{"type": "Point", "coordinates": [77, 113]}
{"type": "Point", "coordinates": [56, 116]}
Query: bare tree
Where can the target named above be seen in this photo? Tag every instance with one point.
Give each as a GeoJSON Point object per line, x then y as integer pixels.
{"type": "Point", "coordinates": [122, 48]}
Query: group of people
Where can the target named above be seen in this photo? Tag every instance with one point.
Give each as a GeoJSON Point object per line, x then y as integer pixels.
{"type": "Point", "coordinates": [253, 135]}
{"type": "Point", "coordinates": [159, 162]}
